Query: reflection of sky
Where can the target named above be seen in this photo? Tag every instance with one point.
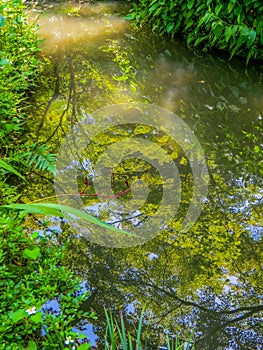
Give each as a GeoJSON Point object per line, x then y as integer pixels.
{"type": "Point", "coordinates": [116, 217]}
{"type": "Point", "coordinates": [246, 206]}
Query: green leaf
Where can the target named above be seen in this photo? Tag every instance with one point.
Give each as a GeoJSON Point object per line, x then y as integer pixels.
{"type": "Point", "coordinates": [39, 157]}
{"type": "Point", "coordinates": [34, 235]}
{"type": "Point", "coordinates": [82, 336]}
{"type": "Point", "coordinates": [31, 253]}
{"type": "Point", "coordinates": [252, 36]}
{"type": "Point", "coordinates": [218, 9]}
{"type": "Point", "coordinates": [230, 6]}
{"type": "Point", "coordinates": [129, 17]}
{"type": "Point", "coordinates": [154, 7]}
{"type": "Point", "coordinates": [228, 33]}
{"type": "Point", "coordinates": [31, 345]}
{"type": "Point", "coordinates": [4, 61]}
{"type": "Point", "coordinates": [170, 27]}
{"type": "Point", "coordinates": [10, 169]}
{"type": "Point", "coordinates": [2, 20]}
{"type": "Point", "coordinates": [84, 347]}
{"type": "Point", "coordinates": [190, 4]}
{"type": "Point", "coordinates": [63, 211]}
{"type": "Point", "coordinates": [37, 318]}
{"type": "Point", "coordinates": [18, 315]}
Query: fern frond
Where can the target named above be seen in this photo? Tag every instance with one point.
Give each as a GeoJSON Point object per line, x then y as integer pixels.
{"type": "Point", "coordinates": [38, 157]}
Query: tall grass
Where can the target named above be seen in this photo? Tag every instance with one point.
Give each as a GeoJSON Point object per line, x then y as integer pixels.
{"type": "Point", "coordinates": [118, 337]}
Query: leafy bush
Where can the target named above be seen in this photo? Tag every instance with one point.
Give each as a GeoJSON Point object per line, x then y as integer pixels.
{"type": "Point", "coordinates": [232, 25]}
{"type": "Point", "coordinates": [18, 66]}
{"type": "Point", "coordinates": [32, 273]}
{"type": "Point", "coordinates": [31, 266]}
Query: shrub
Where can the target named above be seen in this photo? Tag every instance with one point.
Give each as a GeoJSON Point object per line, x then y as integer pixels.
{"type": "Point", "coordinates": [231, 25]}
{"type": "Point", "coordinates": [19, 66]}
{"type": "Point", "coordinates": [32, 273]}
{"type": "Point", "coordinates": [31, 265]}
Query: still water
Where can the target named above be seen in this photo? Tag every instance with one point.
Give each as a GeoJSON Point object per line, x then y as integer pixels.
{"type": "Point", "coordinates": [205, 282]}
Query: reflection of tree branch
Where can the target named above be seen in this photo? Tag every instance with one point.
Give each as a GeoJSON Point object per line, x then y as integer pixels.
{"type": "Point", "coordinates": [169, 312]}
{"type": "Point", "coordinates": [251, 309]}
{"type": "Point", "coordinates": [57, 127]}
{"type": "Point", "coordinates": [122, 220]}
{"type": "Point", "coordinates": [219, 327]}
{"type": "Point", "coordinates": [182, 301]}
{"type": "Point", "coordinates": [254, 309]}
{"type": "Point", "coordinates": [71, 98]}
{"type": "Point", "coordinates": [73, 94]}
{"type": "Point", "coordinates": [54, 97]}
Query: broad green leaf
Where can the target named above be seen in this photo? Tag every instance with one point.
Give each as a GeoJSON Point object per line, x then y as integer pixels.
{"type": "Point", "coordinates": [218, 9]}
{"type": "Point", "coordinates": [84, 347]}
{"type": "Point", "coordinates": [10, 169]}
{"type": "Point", "coordinates": [37, 318]}
{"type": "Point", "coordinates": [190, 4]}
{"type": "Point", "coordinates": [252, 36]}
{"type": "Point", "coordinates": [34, 235]}
{"type": "Point", "coordinates": [2, 20]}
{"type": "Point", "coordinates": [230, 6]}
{"type": "Point", "coordinates": [33, 253]}
{"type": "Point", "coordinates": [4, 61]}
{"type": "Point", "coordinates": [130, 16]}
{"type": "Point", "coordinates": [228, 33]}
{"type": "Point", "coordinates": [31, 345]}
{"type": "Point", "coordinates": [82, 336]}
{"type": "Point", "coordinates": [18, 315]}
{"type": "Point", "coordinates": [63, 211]}
{"type": "Point", "coordinates": [170, 27]}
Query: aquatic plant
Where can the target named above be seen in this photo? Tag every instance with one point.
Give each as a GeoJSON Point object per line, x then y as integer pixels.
{"type": "Point", "coordinates": [118, 337]}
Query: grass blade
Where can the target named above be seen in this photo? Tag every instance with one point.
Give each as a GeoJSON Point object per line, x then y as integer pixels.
{"type": "Point", "coordinates": [63, 211]}
{"type": "Point", "coordinates": [10, 169]}
{"type": "Point", "coordinates": [139, 331]}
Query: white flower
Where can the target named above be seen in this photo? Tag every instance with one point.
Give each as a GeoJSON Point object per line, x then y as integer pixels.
{"type": "Point", "coordinates": [69, 340]}
{"type": "Point", "coordinates": [32, 310]}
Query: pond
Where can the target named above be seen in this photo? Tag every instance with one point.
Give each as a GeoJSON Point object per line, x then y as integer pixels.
{"type": "Point", "coordinates": [147, 133]}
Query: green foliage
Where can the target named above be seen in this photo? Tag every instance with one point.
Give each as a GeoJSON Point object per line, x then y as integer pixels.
{"type": "Point", "coordinates": [31, 266]}
{"type": "Point", "coordinates": [10, 169]}
{"type": "Point", "coordinates": [38, 157]}
{"type": "Point", "coordinates": [18, 66]}
{"type": "Point", "coordinates": [31, 275]}
{"type": "Point", "coordinates": [118, 337]}
{"type": "Point", "coordinates": [234, 26]}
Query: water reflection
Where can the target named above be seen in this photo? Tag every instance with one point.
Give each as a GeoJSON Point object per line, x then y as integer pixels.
{"type": "Point", "coordinates": [209, 280]}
